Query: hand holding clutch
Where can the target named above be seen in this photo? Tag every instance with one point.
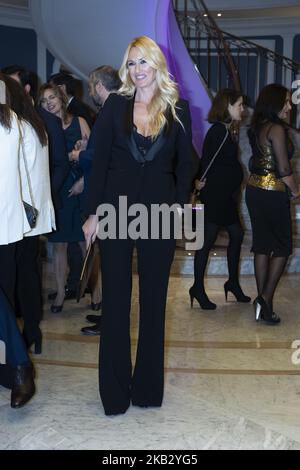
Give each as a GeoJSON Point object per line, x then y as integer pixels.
{"type": "Point", "coordinates": [86, 271]}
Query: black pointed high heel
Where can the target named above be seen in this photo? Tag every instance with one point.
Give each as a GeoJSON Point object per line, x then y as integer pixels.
{"type": "Point", "coordinates": [262, 312]}
{"type": "Point", "coordinates": [236, 291]}
{"type": "Point", "coordinates": [202, 299]}
{"type": "Point", "coordinates": [56, 308]}
{"type": "Point", "coordinates": [96, 306]}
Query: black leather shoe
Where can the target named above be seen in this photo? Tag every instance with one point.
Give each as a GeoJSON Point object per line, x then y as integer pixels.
{"type": "Point", "coordinates": [93, 318]}
{"type": "Point", "coordinates": [91, 330]}
{"type": "Point", "coordinates": [23, 387]}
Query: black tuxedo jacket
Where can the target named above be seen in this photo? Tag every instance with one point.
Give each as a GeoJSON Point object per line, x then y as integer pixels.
{"type": "Point", "coordinates": [118, 169]}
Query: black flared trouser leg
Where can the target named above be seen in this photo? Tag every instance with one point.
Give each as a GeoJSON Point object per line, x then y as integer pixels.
{"type": "Point", "coordinates": [8, 271]}
{"type": "Point", "coordinates": [154, 262]}
{"type": "Point", "coordinates": [115, 352]}
{"type": "Point", "coordinates": [29, 286]}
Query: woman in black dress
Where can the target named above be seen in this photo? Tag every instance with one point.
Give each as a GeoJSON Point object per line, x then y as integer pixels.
{"type": "Point", "coordinates": [69, 216]}
{"type": "Point", "coordinates": [222, 185]}
{"type": "Point", "coordinates": [270, 187]}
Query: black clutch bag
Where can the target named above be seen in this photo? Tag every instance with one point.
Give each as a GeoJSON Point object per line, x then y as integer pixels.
{"type": "Point", "coordinates": [31, 214]}
{"type": "Point", "coordinates": [87, 267]}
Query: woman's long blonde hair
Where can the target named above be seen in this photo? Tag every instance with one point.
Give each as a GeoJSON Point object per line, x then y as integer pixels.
{"type": "Point", "coordinates": [166, 95]}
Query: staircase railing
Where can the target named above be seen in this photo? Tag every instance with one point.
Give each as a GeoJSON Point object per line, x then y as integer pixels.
{"type": "Point", "coordinates": [225, 60]}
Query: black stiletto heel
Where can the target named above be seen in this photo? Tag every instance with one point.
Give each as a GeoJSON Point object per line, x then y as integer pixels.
{"type": "Point", "coordinates": [56, 308]}
{"type": "Point", "coordinates": [257, 309]}
{"type": "Point", "coordinates": [263, 312]}
{"type": "Point", "coordinates": [236, 291]}
{"type": "Point", "coordinates": [202, 299]}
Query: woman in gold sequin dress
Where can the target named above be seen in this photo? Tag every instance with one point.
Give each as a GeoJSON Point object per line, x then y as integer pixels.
{"type": "Point", "coordinates": [270, 187]}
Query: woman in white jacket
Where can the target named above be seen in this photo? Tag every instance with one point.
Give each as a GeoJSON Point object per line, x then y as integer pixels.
{"type": "Point", "coordinates": [36, 191]}
{"type": "Point", "coordinates": [18, 371]}
{"type": "Point", "coordinates": [13, 221]}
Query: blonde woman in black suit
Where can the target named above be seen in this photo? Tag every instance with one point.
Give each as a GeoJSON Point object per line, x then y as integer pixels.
{"type": "Point", "coordinates": [143, 152]}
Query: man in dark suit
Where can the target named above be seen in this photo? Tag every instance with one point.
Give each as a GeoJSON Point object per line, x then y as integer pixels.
{"type": "Point", "coordinates": [102, 82]}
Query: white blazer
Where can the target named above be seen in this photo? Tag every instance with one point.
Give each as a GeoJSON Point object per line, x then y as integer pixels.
{"type": "Point", "coordinates": [13, 221]}
{"type": "Point", "coordinates": [37, 158]}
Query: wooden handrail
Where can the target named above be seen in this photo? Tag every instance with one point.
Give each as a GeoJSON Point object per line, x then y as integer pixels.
{"type": "Point", "coordinates": [227, 54]}
{"type": "Point", "coordinates": [225, 39]}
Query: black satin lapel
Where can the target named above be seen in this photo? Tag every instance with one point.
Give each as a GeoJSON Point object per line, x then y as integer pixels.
{"type": "Point", "coordinates": [151, 154]}
{"type": "Point", "coordinates": [155, 148]}
{"type": "Point", "coordinates": [137, 155]}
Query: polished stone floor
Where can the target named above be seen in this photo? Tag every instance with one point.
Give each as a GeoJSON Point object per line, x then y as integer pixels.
{"type": "Point", "coordinates": [230, 383]}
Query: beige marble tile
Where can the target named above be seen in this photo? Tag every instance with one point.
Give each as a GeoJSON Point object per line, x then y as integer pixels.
{"type": "Point", "coordinates": [211, 401]}
{"type": "Point", "coordinates": [199, 412]}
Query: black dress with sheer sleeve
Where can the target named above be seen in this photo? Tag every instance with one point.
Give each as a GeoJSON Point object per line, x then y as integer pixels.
{"type": "Point", "coordinates": [224, 178]}
{"type": "Point", "coordinates": [267, 196]}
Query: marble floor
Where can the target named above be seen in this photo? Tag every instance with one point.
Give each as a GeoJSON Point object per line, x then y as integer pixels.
{"type": "Point", "coordinates": [230, 383]}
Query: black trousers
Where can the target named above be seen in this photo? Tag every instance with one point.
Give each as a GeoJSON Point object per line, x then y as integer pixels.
{"type": "Point", "coordinates": [8, 269]}
{"type": "Point", "coordinates": [116, 382]}
{"type": "Point", "coordinates": [28, 285]}
{"type": "Point", "coordinates": [9, 333]}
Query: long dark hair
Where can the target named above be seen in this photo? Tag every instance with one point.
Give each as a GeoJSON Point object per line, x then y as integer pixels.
{"type": "Point", "coordinates": [219, 108]}
{"type": "Point", "coordinates": [21, 104]}
{"type": "Point", "coordinates": [270, 102]}
{"type": "Point", "coordinates": [5, 114]}
{"type": "Point", "coordinates": [56, 90]}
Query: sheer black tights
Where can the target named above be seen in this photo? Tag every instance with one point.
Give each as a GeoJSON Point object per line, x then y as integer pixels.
{"type": "Point", "coordinates": [235, 233]}
{"type": "Point", "coordinates": [268, 271]}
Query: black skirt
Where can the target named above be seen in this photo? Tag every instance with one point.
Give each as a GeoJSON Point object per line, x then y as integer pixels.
{"type": "Point", "coordinates": [271, 221]}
